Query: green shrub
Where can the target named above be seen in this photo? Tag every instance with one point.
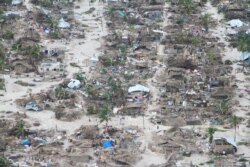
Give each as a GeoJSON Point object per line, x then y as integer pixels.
{"type": "Point", "coordinates": [4, 162]}
{"type": "Point", "coordinates": [8, 35]}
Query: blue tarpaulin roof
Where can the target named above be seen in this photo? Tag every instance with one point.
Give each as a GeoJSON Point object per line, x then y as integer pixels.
{"type": "Point", "coordinates": [107, 144]}
{"type": "Point", "coordinates": [26, 142]}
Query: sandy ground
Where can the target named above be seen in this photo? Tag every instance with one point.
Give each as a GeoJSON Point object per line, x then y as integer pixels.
{"type": "Point", "coordinates": [80, 51]}
{"type": "Point", "coordinates": [233, 55]}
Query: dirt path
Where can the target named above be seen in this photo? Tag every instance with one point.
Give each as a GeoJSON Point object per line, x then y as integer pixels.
{"type": "Point", "coordinates": [233, 55]}
{"type": "Point", "coordinates": [79, 51]}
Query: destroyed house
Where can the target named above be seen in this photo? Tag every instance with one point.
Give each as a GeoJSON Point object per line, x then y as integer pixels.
{"type": "Point", "coordinates": [132, 109]}
{"type": "Point", "coordinates": [57, 67]}
{"type": "Point", "coordinates": [224, 146]}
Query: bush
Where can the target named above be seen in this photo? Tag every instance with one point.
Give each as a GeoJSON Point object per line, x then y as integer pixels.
{"type": "Point", "coordinates": [8, 35]}
{"type": "Point", "coordinates": [92, 109]}
{"type": "Point", "coordinates": [4, 162]}
{"type": "Point", "coordinates": [55, 35]}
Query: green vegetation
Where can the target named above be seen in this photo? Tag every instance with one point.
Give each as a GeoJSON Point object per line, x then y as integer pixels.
{"type": "Point", "coordinates": [211, 57]}
{"type": "Point", "coordinates": [107, 96]}
{"type": "Point", "coordinates": [1, 51]}
{"type": "Point", "coordinates": [195, 41]}
{"type": "Point", "coordinates": [243, 42]}
{"type": "Point", "coordinates": [8, 35]}
{"type": "Point", "coordinates": [55, 35]}
{"type": "Point", "coordinates": [46, 3]}
{"type": "Point", "coordinates": [242, 143]}
{"type": "Point", "coordinates": [2, 56]}
{"type": "Point", "coordinates": [29, 92]}
{"type": "Point", "coordinates": [187, 5]}
{"type": "Point", "coordinates": [53, 23]}
{"type": "Point", "coordinates": [4, 162]}
{"type": "Point", "coordinates": [2, 64]}
{"type": "Point", "coordinates": [2, 85]}
{"type": "Point", "coordinates": [128, 76]}
{"type": "Point", "coordinates": [92, 109]}
{"type": "Point", "coordinates": [81, 78]}
{"type": "Point", "coordinates": [234, 121]}
{"type": "Point", "coordinates": [111, 13]}
{"type": "Point", "coordinates": [19, 129]}
{"type": "Point", "coordinates": [243, 160]}
{"type": "Point", "coordinates": [103, 71]}
{"type": "Point", "coordinates": [211, 132]}
{"type": "Point", "coordinates": [210, 162]}
{"type": "Point", "coordinates": [32, 51]}
{"type": "Point", "coordinates": [17, 46]}
{"type": "Point", "coordinates": [75, 65]}
{"type": "Point", "coordinates": [205, 20]}
{"type": "Point", "coordinates": [180, 21]}
{"type": "Point", "coordinates": [105, 115]}
{"type": "Point", "coordinates": [113, 84]}
{"type": "Point", "coordinates": [223, 106]}
{"type": "Point", "coordinates": [61, 93]}
{"type": "Point", "coordinates": [22, 83]}
{"type": "Point", "coordinates": [2, 18]}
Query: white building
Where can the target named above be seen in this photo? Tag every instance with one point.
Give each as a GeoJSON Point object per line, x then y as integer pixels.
{"type": "Point", "coordinates": [52, 68]}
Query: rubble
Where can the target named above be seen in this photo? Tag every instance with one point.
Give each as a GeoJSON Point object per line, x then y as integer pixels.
{"type": "Point", "coordinates": [123, 83]}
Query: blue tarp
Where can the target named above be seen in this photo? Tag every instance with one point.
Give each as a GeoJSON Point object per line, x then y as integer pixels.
{"type": "Point", "coordinates": [107, 144]}
{"type": "Point", "coordinates": [121, 13]}
{"type": "Point", "coordinates": [26, 142]}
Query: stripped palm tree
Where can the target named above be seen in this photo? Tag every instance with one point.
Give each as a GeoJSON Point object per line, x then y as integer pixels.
{"type": "Point", "coordinates": [234, 121]}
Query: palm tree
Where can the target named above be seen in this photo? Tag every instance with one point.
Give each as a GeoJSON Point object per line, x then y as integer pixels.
{"type": "Point", "coordinates": [223, 106]}
{"type": "Point", "coordinates": [91, 91]}
{"type": "Point", "coordinates": [116, 89]}
{"type": "Point", "coordinates": [111, 12]}
{"type": "Point", "coordinates": [17, 46]}
{"type": "Point", "coordinates": [211, 57]}
{"type": "Point", "coordinates": [60, 93]}
{"type": "Point", "coordinates": [2, 85]}
{"type": "Point", "coordinates": [81, 78]}
{"type": "Point", "coordinates": [180, 21]}
{"type": "Point", "coordinates": [195, 41]}
{"type": "Point", "coordinates": [105, 115]}
{"type": "Point", "coordinates": [29, 92]}
{"type": "Point", "coordinates": [107, 96]}
{"type": "Point", "coordinates": [19, 128]}
{"type": "Point", "coordinates": [53, 23]}
{"type": "Point", "coordinates": [205, 20]}
{"type": "Point", "coordinates": [211, 132]}
{"type": "Point", "coordinates": [188, 5]}
{"type": "Point", "coordinates": [2, 64]}
{"type": "Point", "coordinates": [4, 162]}
{"type": "Point", "coordinates": [8, 35]}
{"type": "Point", "coordinates": [234, 120]}
{"type": "Point", "coordinates": [1, 51]}
{"type": "Point", "coordinates": [34, 52]}
{"type": "Point", "coordinates": [113, 84]}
